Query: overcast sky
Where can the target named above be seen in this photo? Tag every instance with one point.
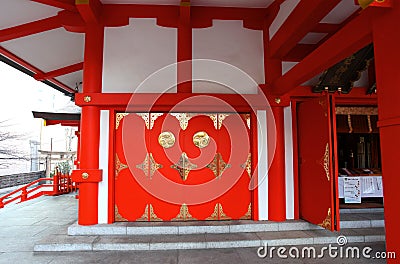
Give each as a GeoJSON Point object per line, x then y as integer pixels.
{"type": "Point", "coordinates": [20, 95]}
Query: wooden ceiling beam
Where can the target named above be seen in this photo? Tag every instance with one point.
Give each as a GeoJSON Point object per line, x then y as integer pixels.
{"type": "Point", "coordinates": [90, 10]}
{"type": "Point", "coordinates": [306, 15]}
{"type": "Point", "coordinates": [30, 28]}
{"type": "Point", "coordinates": [353, 36]}
{"type": "Point", "coordinates": [59, 72]}
{"type": "Point", "coordinates": [63, 4]}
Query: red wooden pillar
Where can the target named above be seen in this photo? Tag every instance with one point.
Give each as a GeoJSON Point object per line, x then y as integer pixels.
{"type": "Point", "coordinates": [275, 137]}
{"type": "Point", "coordinates": [276, 159]}
{"type": "Point", "coordinates": [387, 65]}
{"type": "Point", "coordinates": [184, 49]}
{"type": "Point", "coordinates": [89, 174]}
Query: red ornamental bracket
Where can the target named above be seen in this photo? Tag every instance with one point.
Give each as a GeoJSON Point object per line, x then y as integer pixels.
{"type": "Point", "coordinates": [87, 175]}
{"type": "Point", "coordinates": [378, 3]}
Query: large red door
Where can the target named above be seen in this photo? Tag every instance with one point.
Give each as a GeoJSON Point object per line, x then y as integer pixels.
{"type": "Point", "coordinates": [317, 199]}
{"type": "Point", "coordinates": [181, 166]}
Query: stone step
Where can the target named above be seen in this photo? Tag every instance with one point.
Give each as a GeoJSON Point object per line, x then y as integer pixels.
{"type": "Point", "coordinates": [198, 227]}
{"type": "Point", "coordinates": [57, 243]}
{"type": "Point", "coordinates": [362, 220]}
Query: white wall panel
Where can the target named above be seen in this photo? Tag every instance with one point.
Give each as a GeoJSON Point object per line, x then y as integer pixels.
{"type": "Point", "coordinates": [229, 42]}
{"type": "Point", "coordinates": [262, 165]}
{"type": "Point", "coordinates": [289, 181]}
{"type": "Point", "coordinates": [133, 53]}
{"type": "Point", "coordinates": [103, 165]}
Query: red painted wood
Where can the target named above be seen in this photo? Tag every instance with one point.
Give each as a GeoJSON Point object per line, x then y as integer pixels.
{"type": "Point", "coordinates": [301, 20]}
{"type": "Point", "coordinates": [315, 190]}
{"type": "Point", "coordinates": [32, 68]}
{"type": "Point", "coordinates": [63, 4]}
{"type": "Point", "coordinates": [335, 166]}
{"type": "Point", "coordinates": [386, 65]}
{"type": "Point", "coordinates": [358, 33]}
{"type": "Point", "coordinates": [254, 166]}
{"type": "Point", "coordinates": [91, 11]}
{"type": "Point", "coordinates": [184, 50]}
{"type": "Point", "coordinates": [31, 28]}
{"type": "Point", "coordinates": [59, 72]}
{"type": "Point", "coordinates": [90, 124]}
{"type": "Point", "coordinates": [276, 159]}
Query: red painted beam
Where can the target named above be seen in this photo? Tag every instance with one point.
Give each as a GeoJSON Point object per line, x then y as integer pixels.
{"type": "Point", "coordinates": [90, 10]}
{"type": "Point", "coordinates": [29, 28]}
{"type": "Point", "coordinates": [32, 68]}
{"type": "Point", "coordinates": [302, 20]}
{"type": "Point", "coordinates": [184, 49]}
{"type": "Point", "coordinates": [59, 72]}
{"type": "Point", "coordinates": [63, 4]}
{"type": "Point", "coordinates": [299, 52]}
{"type": "Point", "coordinates": [352, 37]}
{"type": "Point", "coordinates": [326, 28]}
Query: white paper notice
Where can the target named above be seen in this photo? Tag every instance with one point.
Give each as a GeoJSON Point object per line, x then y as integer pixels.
{"type": "Point", "coordinates": [368, 185]}
{"type": "Point", "coordinates": [352, 189]}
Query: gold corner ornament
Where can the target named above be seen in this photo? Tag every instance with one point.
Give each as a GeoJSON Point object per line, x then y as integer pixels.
{"type": "Point", "coordinates": [201, 139]}
{"type": "Point", "coordinates": [184, 214]}
{"type": "Point", "coordinates": [184, 166]}
{"type": "Point", "coordinates": [218, 213]}
{"type": "Point", "coordinates": [247, 165]}
{"type": "Point", "coordinates": [183, 119]}
{"type": "Point", "coordinates": [153, 216]}
{"type": "Point", "coordinates": [117, 215]}
{"type": "Point", "coordinates": [149, 118]}
{"type": "Point", "coordinates": [327, 223]}
{"type": "Point", "coordinates": [325, 162]}
{"type": "Point", "coordinates": [247, 117]}
{"type": "Point", "coordinates": [118, 119]}
{"type": "Point", "coordinates": [218, 165]}
{"type": "Point", "coordinates": [247, 216]}
{"type": "Point", "coordinates": [119, 166]}
{"type": "Point", "coordinates": [166, 139]}
{"type": "Point", "coordinates": [149, 166]}
{"type": "Point", "coordinates": [145, 215]}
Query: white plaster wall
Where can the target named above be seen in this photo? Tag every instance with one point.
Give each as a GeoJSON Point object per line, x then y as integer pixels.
{"type": "Point", "coordinates": [103, 165]}
{"type": "Point", "coordinates": [289, 180]}
{"type": "Point", "coordinates": [262, 165]}
{"type": "Point", "coordinates": [229, 42]}
{"type": "Point", "coordinates": [135, 52]}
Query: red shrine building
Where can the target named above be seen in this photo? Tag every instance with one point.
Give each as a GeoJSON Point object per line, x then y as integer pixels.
{"type": "Point", "coordinates": [220, 110]}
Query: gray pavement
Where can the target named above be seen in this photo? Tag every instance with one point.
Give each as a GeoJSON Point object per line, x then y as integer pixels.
{"type": "Point", "coordinates": [22, 225]}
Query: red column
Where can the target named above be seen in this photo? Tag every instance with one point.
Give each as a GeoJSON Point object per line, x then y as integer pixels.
{"type": "Point", "coordinates": [276, 159]}
{"type": "Point", "coordinates": [387, 64]}
{"type": "Point", "coordinates": [90, 125]}
{"type": "Point", "coordinates": [275, 138]}
{"type": "Point", "coordinates": [184, 49]}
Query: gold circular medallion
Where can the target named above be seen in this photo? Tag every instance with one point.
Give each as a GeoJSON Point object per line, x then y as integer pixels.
{"type": "Point", "coordinates": [201, 139]}
{"type": "Point", "coordinates": [166, 139]}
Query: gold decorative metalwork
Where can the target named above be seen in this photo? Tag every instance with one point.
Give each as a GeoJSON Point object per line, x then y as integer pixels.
{"type": "Point", "coordinates": [247, 118]}
{"type": "Point", "coordinates": [153, 216]}
{"type": "Point", "coordinates": [145, 215]}
{"type": "Point", "coordinates": [278, 100]}
{"type": "Point", "coordinates": [247, 165]}
{"type": "Point", "coordinates": [214, 215]}
{"type": "Point", "coordinates": [87, 99]}
{"type": "Point", "coordinates": [325, 162]}
{"type": "Point", "coordinates": [221, 118]}
{"type": "Point", "coordinates": [183, 119]}
{"type": "Point", "coordinates": [118, 119]}
{"type": "Point", "coordinates": [149, 119]}
{"type": "Point", "coordinates": [218, 165]}
{"type": "Point", "coordinates": [327, 223]}
{"type": "Point", "coordinates": [349, 123]}
{"type": "Point", "coordinates": [184, 166]}
{"type": "Point", "coordinates": [201, 139]}
{"type": "Point", "coordinates": [369, 123]}
{"type": "Point", "coordinates": [222, 215]}
{"type": "Point", "coordinates": [346, 110]}
{"type": "Point", "coordinates": [166, 139]}
{"type": "Point", "coordinates": [248, 213]}
{"type": "Point", "coordinates": [184, 214]}
{"type": "Point", "coordinates": [149, 166]}
{"type": "Point", "coordinates": [85, 175]}
{"type": "Point", "coordinates": [117, 216]}
{"type": "Point", "coordinates": [119, 166]}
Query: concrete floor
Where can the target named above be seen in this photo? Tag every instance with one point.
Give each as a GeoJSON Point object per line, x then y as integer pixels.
{"type": "Point", "coordinates": [22, 225]}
